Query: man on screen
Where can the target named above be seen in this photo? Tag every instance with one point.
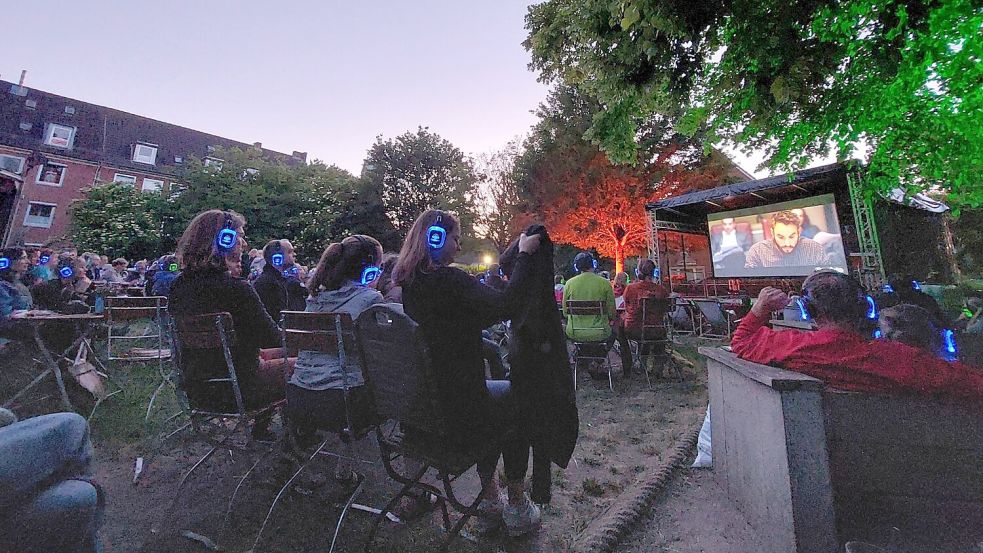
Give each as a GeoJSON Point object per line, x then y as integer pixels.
{"type": "Point", "coordinates": [787, 247]}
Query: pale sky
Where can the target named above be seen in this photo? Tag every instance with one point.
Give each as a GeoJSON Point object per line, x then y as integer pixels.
{"type": "Point", "coordinates": [325, 77]}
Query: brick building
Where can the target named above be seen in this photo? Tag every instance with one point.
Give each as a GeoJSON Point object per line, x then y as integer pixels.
{"type": "Point", "coordinates": [52, 148]}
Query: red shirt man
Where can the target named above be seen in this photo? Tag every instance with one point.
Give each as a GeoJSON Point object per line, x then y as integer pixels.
{"type": "Point", "coordinates": [633, 295]}
{"type": "Point", "coordinates": [838, 354]}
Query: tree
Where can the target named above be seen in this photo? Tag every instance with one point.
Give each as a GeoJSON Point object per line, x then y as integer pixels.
{"type": "Point", "coordinates": [118, 220]}
{"type": "Point", "coordinates": [894, 81]}
{"type": "Point", "coordinates": [418, 171]}
{"type": "Point", "coordinates": [502, 218]}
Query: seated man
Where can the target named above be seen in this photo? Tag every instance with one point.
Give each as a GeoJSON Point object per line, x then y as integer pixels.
{"type": "Point", "coordinates": [839, 353]}
{"type": "Point", "coordinates": [630, 327]}
{"type": "Point", "coordinates": [47, 502]}
{"type": "Point", "coordinates": [588, 286]}
{"type": "Point", "coordinates": [271, 285]}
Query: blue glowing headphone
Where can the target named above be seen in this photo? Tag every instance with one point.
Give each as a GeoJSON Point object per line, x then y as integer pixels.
{"type": "Point", "coordinates": [949, 343]}
{"type": "Point", "coordinates": [4, 262]}
{"type": "Point", "coordinates": [888, 289]}
{"type": "Point", "coordinates": [872, 310]}
{"type": "Point", "coordinates": [293, 270]}
{"type": "Point", "coordinates": [277, 259]}
{"type": "Point", "coordinates": [371, 271]}
{"type": "Point", "coordinates": [638, 273]}
{"type": "Point", "coordinates": [228, 237]}
{"type": "Point", "coordinates": [65, 269]}
{"type": "Point", "coordinates": [915, 285]}
{"type": "Point", "coordinates": [581, 256]}
{"type": "Point", "coordinates": [44, 259]}
{"type": "Point", "coordinates": [436, 233]}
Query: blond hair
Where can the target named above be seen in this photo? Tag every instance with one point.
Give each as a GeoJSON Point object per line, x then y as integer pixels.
{"type": "Point", "coordinates": [197, 248]}
{"type": "Point", "coordinates": [415, 255]}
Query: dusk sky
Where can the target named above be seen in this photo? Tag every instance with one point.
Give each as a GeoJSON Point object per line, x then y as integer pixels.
{"type": "Point", "coordinates": [324, 77]}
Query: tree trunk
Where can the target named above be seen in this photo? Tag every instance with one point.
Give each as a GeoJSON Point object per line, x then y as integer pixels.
{"type": "Point", "coordinates": [619, 258]}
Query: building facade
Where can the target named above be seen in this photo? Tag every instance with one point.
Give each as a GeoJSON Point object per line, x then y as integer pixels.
{"type": "Point", "coordinates": [52, 149]}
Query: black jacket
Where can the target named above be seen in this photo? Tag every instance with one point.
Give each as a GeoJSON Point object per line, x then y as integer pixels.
{"type": "Point", "coordinates": [452, 309]}
{"type": "Point", "coordinates": [271, 286]}
{"type": "Point", "coordinates": [210, 291]}
{"type": "Point", "coordinates": [296, 294]}
{"type": "Point", "coordinates": [542, 380]}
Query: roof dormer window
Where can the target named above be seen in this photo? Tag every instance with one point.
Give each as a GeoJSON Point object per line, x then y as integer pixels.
{"type": "Point", "coordinates": [145, 153]}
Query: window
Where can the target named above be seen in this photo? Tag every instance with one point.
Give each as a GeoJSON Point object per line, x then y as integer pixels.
{"type": "Point", "coordinates": [178, 159]}
{"type": "Point", "coordinates": [59, 136]}
{"type": "Point", "coordinates": [51, 174]}
{"type": "Point", "coordinates": [11, 163]}
{"type": "Point", "coordinates": [125, 179]}
{"type": "Point", "coordinates": [145, 153]}
{"type": "Point", "coordinates": [214, 162]}
{"type": "Point", "coordinates": [152, 185]}
{"type": "Point", "coordinates": [39, 215]}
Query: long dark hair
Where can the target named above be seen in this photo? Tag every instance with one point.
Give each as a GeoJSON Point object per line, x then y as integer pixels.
{"type": "Point", "coordinates": [415, 254]}
{"type": "Point", "coordinates": [343, 261]}
{"type": "Point", "coordinates": [13, 254]}
{"type": "Point", "coordinates": [197, 250]}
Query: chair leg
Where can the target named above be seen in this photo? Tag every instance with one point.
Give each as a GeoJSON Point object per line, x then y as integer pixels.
{"type": "Point", "coordinates": [180, 486]}
{"type": "Point", "coordinates": [466, 513]}
{"type": "Point", "coordinates": [259, 535]}
{"type": "Point", "coordinates": [344, 511]}
{"type": "Point", "coordinates": [410, 483]}
{"type": "Point", "coordinates": [607, 361]}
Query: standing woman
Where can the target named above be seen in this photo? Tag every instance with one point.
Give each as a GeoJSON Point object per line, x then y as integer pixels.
{"type": "Point", "coordinates": [211, 246]}
{"type": "Point", "coordinates": [452, 309]}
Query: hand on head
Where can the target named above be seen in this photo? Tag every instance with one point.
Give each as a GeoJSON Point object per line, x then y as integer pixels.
{"type": "Point", "coordinates": [769, 299]}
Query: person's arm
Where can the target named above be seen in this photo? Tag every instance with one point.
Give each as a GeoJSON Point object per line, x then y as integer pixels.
{"type": "Point", "coordinates": [268, 296]}
{"type": "Point", "coordinates": [485, 304]}
{"type": "Point", "coordinates": [754, 341]}
{"type": "Point", "coordinates": [920, 370]}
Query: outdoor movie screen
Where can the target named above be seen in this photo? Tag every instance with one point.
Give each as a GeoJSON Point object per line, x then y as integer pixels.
{"type": "Point", "coordinates": [784, 239]}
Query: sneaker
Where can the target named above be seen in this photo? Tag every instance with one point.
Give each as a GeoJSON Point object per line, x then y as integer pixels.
{"type": "Point", "coordinates": [521, 519]}
{"type": "Point", "coordinates": [488, 519]}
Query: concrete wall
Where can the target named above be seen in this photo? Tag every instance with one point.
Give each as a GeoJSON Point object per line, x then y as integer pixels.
{"type": "Point", "coordinates": [769, 446]}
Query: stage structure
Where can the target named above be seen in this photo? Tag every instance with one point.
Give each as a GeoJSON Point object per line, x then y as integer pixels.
{"type": "Point", "coordinates": [692, 236]}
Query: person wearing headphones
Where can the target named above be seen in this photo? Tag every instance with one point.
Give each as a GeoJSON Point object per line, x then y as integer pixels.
{"type": "Point", "coordinates": [841, 352]}
{"type": "Point", "coordinates": [167, 271]}
{"type": "Point", "coordinates": [588, 286]}
{"type": "Point", "coordinates": [452, 309]}
{"type": "Point", "coordinates": [14, 295]}
{"type": "Point", "coordinates": [343, 283]}
{"type": "Point", "coordinates": [630, 325]}
{"type": "Point", "coordinates": [67, 292]}
{"type": "Point", "coordinates": [210, 244]}
{"type": "Point", "coordinates": [271, 285]}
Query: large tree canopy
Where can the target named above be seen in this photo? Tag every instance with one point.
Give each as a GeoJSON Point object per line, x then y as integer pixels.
{"type": "Point", "coordinates": [898, 82]}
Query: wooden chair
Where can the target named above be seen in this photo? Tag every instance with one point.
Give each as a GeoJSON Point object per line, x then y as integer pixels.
{"type": "Point", "coordinates": [329, 334]}
{"type": "Point", "coordinates": [122, 310]}
{"type": "Point", "coordinates": [654, 334]}
{"type": "Point", "coordinates": [582, 349]}
{"type": "Point", "coordinates": [398, 373]}
{"type": "Point", "coordinates": [216, 424]}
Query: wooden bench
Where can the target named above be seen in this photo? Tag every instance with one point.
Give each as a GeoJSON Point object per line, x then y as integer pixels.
{"type": "Point", "coordinates": [803, 462]}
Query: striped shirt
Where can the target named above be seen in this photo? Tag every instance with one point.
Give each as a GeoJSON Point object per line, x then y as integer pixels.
{"type": "Point", "coordinates": [807, 253]}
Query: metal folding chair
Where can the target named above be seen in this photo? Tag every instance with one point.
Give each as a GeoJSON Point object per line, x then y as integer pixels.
{"type": "Point", "coordinates": [216, 424]}
{"type": "Point", "coordinates": [126, 309]}
{"type": "Point", "coordinates": [655, 336]}
{"type": "Point", "coordinates": [587, 308]}
{"type": "Point", "coordinates": [715, 321]}
{"type": "Point", "coordinates": [400, 379]}
{"type": "Point", "coordinates": [330, 334]}
{"type": "Point", "coordinates": [682, 318]}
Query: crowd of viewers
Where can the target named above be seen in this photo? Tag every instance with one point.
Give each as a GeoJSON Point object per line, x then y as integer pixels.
{"type": "Point", "coordinates": [531, 401]}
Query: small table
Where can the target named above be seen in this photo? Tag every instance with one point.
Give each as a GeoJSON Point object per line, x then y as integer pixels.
{"type": "Point", "coordinates": [83, 323]}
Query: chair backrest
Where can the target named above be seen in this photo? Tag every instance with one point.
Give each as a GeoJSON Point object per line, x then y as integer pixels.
{"type": "Point", "coordinates": [128, 308]}
{"type": "Point", "coordinates": [328, 333]}
{"type": "Point", "coordinates": [654, 311]}
{"type": "Point", "coordinates": [586, 307]}
{"type": "Point", "coordinates": [712, 311]}
{"type": "Point", "coordinates": [397, 368]}
{"type": "Point", "coordinates": [209, 331]}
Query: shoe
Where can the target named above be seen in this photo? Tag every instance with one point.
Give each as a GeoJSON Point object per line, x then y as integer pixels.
{"type": "Point", "coordinates": [488, 519]}
{"type": "Point", "coordinates": [521, 519]}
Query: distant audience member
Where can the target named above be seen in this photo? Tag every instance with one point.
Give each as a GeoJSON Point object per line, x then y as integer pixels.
{"type": "Point", "coordinates": [296, 288]}
{"type": "Point", "coordinates": [207, 285]}
{"type": "Point", "coordinates": [67, 292]}
{"type": "Point", "coordinates": [14, 295]}
{"type": "Point", "coordinates": [392, 292]}
{"type": "Point", "coordinates": [271, 285]}
{"type": "Point", "coordinates": [906, 289]}
{"type": "Point", "coordinates": [912, 325]}
{"type": "Point", "coordinates": [588, 286]}
{"type": "Point", "coordinates": [620, 283]}
{"type": "Point", "coordinates": [344, 283]}
{"type": "Point", "coordinates": [838, 352]}
{"type": "Point", "coordinates": [558, 284]}
{"type": "Point", "coordinates": [138, 273]}
{"type": "Point", "coordinates": [45, 268]}
{"type": "Point", "coordinates": [630, 326]}
{"type": "Point", "coordinates": [167, 271]}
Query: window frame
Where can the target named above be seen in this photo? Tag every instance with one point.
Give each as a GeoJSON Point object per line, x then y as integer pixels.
{"type": "Point", "coordinates": [143, 185]}
{"type": "Point", "coordinates": [215, 162]}
{"type": "Point", "coordinates": [22, 159]}
{"type": "Point", "coordinates": [153, 158]}
{"type": "Point", "coordinates": [49, 133]}
{"type": "Point", "coordinates": [61, 179]}
{"type": "Point", "coordinates": [118, 175]}
{"type": "Point", "coordinates": [27, 215]}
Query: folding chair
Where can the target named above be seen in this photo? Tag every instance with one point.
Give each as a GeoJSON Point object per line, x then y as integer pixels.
{"type": "Point", "coordinates": [216, 424]}
{"type": "Point", "coordinates": [401, 381]}
{"type": "Point", "coordinates": [330, 334]}
{"type": "Point", "coordinates": [683, 315]}
{"type": "Point", "coordinates": [654, 335]}
{"type": "Point", "coordinates": [715, 321]}
{"type": "Point", "coordinates": [124, 309]}
{"type": "Point", "coordinates": [580, 308]}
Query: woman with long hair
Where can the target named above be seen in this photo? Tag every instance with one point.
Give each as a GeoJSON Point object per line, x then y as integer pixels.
{"type": "Point", "coordinates": [343, 283]}
{"type": "Point", "coordinates": [14, 296]}
{"type": "Point", "coordinates": [452, 309]}
{"type": "Point", "coordinates": [213, 242]}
